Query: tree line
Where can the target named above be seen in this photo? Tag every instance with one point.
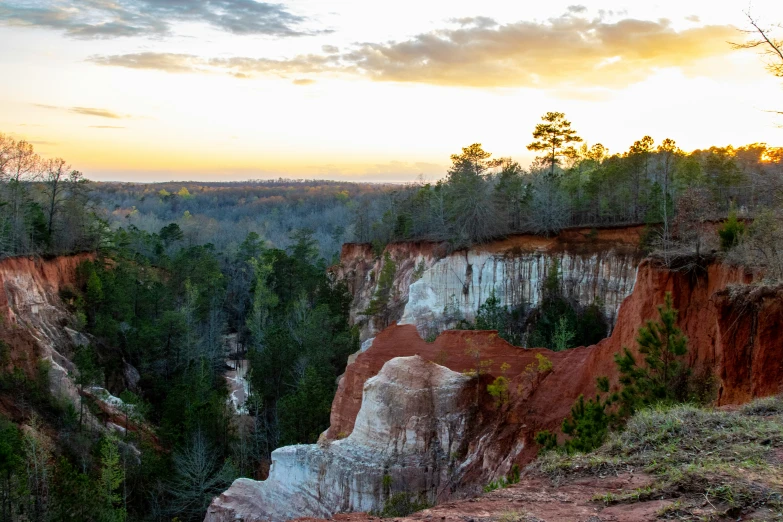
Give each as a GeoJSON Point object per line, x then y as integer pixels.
{"type": "Point", "coordinates": [573, 184]}
{"type": "Point", "coordinates": [44, 203]}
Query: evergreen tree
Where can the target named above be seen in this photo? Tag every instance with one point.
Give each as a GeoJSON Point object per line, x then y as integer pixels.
{"type": "Point", "coordinates": [111, 478]}
{"type": "Point", "coordinates": [554, 137]}
{"type": "Point", "coordinates": [587, 425]}
{"type": "Point", "coordinates": [731, 231]}
{"type": "Point", "coordinates": [662, 345]}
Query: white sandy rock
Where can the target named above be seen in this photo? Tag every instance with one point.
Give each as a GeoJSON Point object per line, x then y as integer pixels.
{"type": "Point", "coordinates": [414, 414]}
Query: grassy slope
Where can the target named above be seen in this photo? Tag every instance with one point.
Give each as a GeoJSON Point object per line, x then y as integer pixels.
{"type": "Point", "coordinates": [714, 464]}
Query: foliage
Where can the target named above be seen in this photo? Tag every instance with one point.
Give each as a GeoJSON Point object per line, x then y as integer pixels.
{"type": "Point", "coordinates": [562, 336]}
{"type": "Point", "coordinates": [379, 303]}
{"type": "Point", "coordinates": [402, 504]}
{"type": "Point", "coordinates": [491, 315]}
{"type": "Point", "coordinates": [499, 390]}
{"type": "Point", "coordinates": [44, 204]}
{"type": "Point", "coordinates": [484, 198]}
{"type": "Point", "coordinates": [664, 376]}
{"type": "Point", "coordinates": [722, 455]}
{"type": "Point", "coordinates": [731, 231]}
{"type": "Point", "coordinates": [586, 426]}
{"type": "Point", "coordinates": [560, 323]}
{"type": "Point", "coordinates": [504, 482]}
{"type": "Point", "coordinates": [663, 380]}
{"type": "Point", "coordinates": [111, 478]}
{"type": "Point", "coordinates": [554, 137]}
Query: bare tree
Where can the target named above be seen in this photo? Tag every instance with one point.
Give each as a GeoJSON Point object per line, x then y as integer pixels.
{"type": "Point", "coordinates": [198, 477]}
{"type": "Point", "coordinates": [771, 48]}
{"type": "Point", "coordinates": [58, 179]}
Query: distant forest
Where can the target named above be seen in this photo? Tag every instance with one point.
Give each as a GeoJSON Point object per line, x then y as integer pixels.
{"type": "Point", "coordinates": [46, 207]}
{"type": "Point", "coordinates": [224, 213]}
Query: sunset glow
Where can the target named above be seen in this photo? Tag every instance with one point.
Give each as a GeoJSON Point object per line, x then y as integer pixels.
{"type": "Point", "coordinates": [368, 90]}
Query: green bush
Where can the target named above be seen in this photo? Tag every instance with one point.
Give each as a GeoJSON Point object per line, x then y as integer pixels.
{"type": "Point", "coordinates": [403, 504]}
{"type": "Point", "coordinates": [731, 231]}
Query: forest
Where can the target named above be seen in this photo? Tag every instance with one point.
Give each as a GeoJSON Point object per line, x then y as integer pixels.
{"type": "Point", "coordinates": [182, 267]}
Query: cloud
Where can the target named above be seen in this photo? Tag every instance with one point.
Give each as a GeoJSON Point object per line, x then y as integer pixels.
{"type": "Point", "coordinates": [571, 51]}
{"type": "Point", "coordinates": [303, 81]}
{"type": "Point", "coordinates": [85, 111]}
{"type": "Point", "coordinates": [169, 62]}
{"type": "Point", "coordinates": [91, 111]}
{"type": "Point", "coordinates": [565, 51]}
{"type": "Point", "coordinates": [241, 67]}
{"type": "Point", "coordinates": [106, 127]}
{"type": "Point", "coordinates": [89, 19]}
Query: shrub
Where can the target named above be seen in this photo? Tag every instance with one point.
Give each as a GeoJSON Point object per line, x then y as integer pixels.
{"type": "Point", "coordinates": [402, 504]}
{"type": "Point", "coordinates": [499, 390]}
{"type": "Point", "coordinates": [731, 231]}
{"type": "Point", "coordinates": [664, 377]}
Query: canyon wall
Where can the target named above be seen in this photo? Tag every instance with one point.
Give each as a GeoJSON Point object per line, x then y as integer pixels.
{"type": "Point", "coordinates": [731, 324]}
{"type": "Point", "coordinates": [731, 327]}
{"type": "Point", "coordinates": [406, 435]}
{"type": "Point", "coordinates": [433, 287]}
{"type": "Point", "coordinates": [33, 320]}
{"type": "Point", "coordinates": [35, 327]}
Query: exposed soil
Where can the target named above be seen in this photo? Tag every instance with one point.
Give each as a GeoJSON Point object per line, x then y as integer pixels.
{"type": "Point", "coordinates": [535, 498]}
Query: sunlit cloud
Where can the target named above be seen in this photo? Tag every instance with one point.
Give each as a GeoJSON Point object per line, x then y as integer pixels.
{"type": "Point", "coordinates": [85, 111]}
{"type": "Point", "coordinates": [106, 127]}
{"type": "Point", "coordinates": [89, 19]}
{"type": "Point", "coordinates": [570, 51]}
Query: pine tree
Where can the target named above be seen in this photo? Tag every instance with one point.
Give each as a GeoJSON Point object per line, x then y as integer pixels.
{"type": "Point", "coordinates": [554, 137]}
{"type": "Point", "coordinates": [112, 477]}
{"type": "Point", "coordinates": [662, 344]}
{"type": "Point", "coordinates": [587, 425]}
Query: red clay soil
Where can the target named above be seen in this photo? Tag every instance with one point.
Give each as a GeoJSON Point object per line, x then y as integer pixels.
{"type": "Point", "coordinates": [534, 499]}
{"type": "Point", "coordinates": [573, 238]}
{"type": "Point", "coordinates": [50, 275]}
{"type": "Point", "coordinates": [736, 338]}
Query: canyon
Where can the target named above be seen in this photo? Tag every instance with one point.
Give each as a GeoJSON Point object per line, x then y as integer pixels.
{"type": "Point", "coordinates": [730, 320]}
{"type": "Point", "coordinates": [410, 415]}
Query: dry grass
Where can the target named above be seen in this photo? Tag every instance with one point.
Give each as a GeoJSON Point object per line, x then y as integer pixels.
{"type": "Point", "coordinates": [728, 462]}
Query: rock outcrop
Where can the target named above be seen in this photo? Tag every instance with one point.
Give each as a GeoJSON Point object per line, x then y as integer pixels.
{"type": "Point", "coordinates": [33, 320]}
{"type": "Point", "coordinates": [732, 336]}
{"type": "Point", "coordinates": [406, 436]}
{"type": "Point", "coordinates": [432, 286]}
{"type": "Point", "coordinates": [34, 324]}
{"type": "Point", "coordinates": [732, 326]}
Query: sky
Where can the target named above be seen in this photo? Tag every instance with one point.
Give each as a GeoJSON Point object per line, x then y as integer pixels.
{"type": "Point", "coordinates": [157, 90]}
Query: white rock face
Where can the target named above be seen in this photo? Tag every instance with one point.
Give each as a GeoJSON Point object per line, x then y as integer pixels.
{"type": "Point", "coordinates": [411, 423]}
{"type": "Point", "coordinates": [457, 285]}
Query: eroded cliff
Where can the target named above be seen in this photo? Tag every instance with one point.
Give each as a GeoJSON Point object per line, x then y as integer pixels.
{"type": "Point", "coordinates": [35, 328]}
{"type": "Point", "coordinates": [406, 435]}
{"type": "Point", "coordinates": [731, 324]}
{"type": "Point", "coordinates": [34, 322]}
{"type": "Point", "coordinates": [433, 286]}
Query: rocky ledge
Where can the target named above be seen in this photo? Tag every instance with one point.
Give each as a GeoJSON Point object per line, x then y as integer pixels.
{"type": "Point", "coordinates": [409, 429]}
